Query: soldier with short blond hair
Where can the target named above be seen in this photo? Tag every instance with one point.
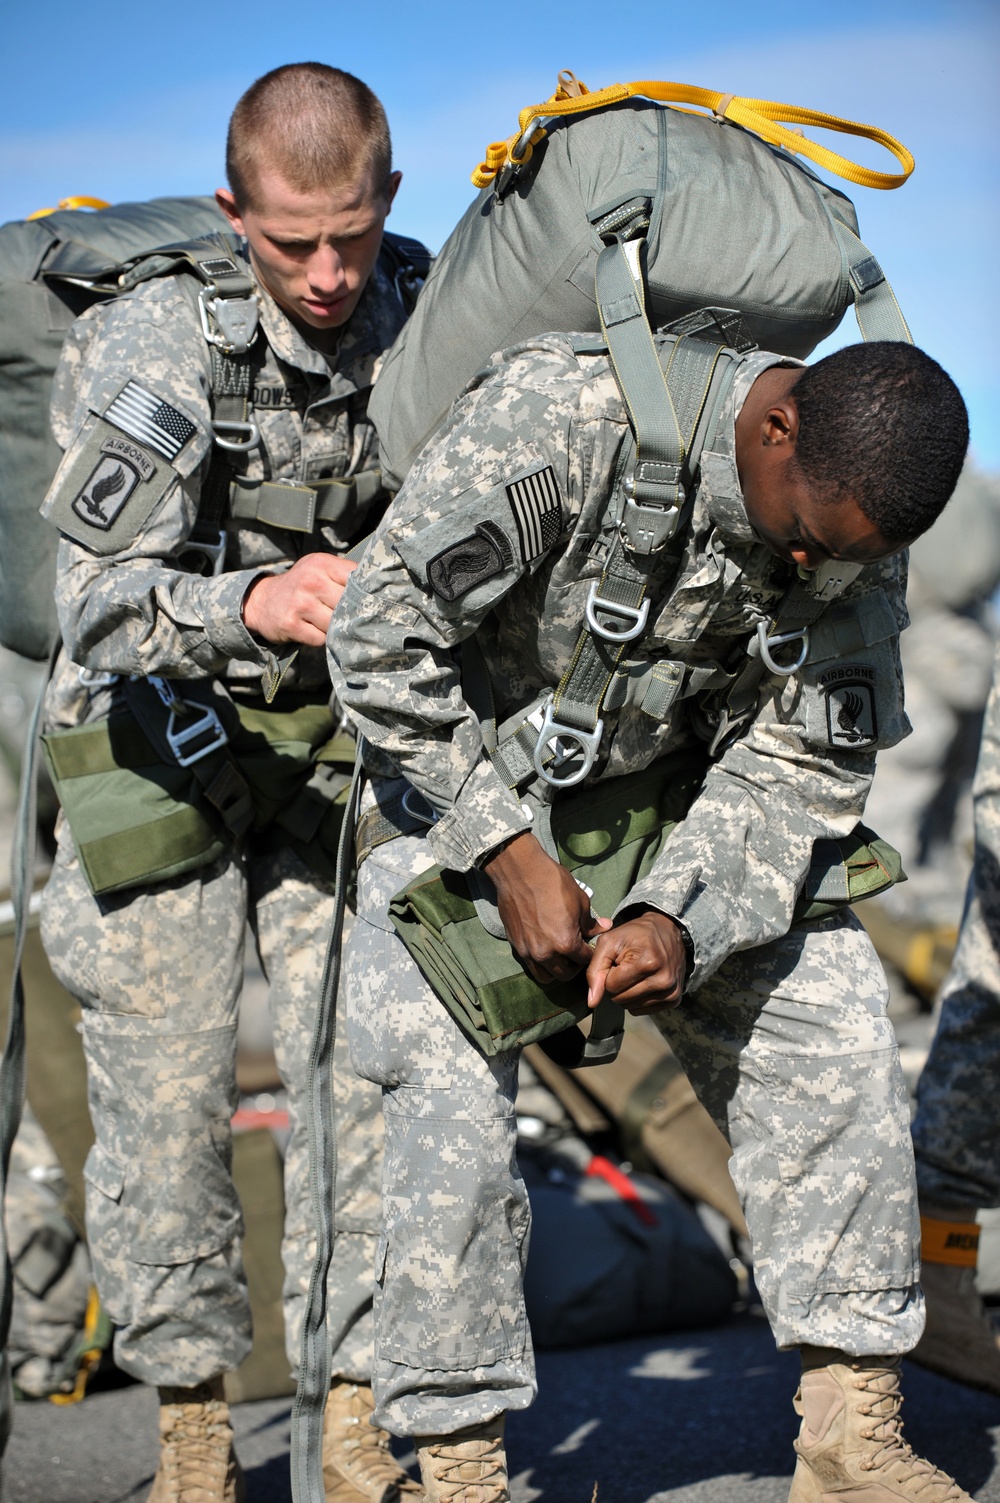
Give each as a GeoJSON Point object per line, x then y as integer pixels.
{"type": "Point", "coordinates": [219, 463]}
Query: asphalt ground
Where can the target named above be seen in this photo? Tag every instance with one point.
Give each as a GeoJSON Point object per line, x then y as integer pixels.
{"type": "Point", "coordinates": [701, 1417]}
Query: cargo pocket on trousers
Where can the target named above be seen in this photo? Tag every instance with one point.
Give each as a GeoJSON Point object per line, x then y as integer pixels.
{"type": "Point", "coordinates": [462, 1331]}
{"type": "Point", "coordinates": [181, 1204]}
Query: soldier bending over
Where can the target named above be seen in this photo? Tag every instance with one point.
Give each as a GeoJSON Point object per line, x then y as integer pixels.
{"type": "Point", "coordinates": [808, 484]}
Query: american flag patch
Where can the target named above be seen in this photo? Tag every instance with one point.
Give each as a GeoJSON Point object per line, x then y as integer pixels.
{"type": "Point", "coordinates": [537, 513]}
{"type": "Point", "coordinates": [148, 418]}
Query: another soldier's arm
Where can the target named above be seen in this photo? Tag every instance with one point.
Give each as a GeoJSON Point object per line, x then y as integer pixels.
{"type": "Point", "coordinates": [733, 870]}
{"type": "Point", "coordinates": [457, 539]}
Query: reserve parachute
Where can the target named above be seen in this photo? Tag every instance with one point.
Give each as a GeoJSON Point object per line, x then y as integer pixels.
{"type": "Point", "coordinates": [715, 208]}
{"type": "Point", "coordinates": [52, 269]}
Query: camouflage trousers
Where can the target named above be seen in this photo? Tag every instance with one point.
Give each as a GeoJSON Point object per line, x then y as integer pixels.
{"type": "Point", "coordinates": [159, 972]}
{"type": "Point", "coordinates": [790, 1049]}
{"type": "Point", "coordinates": [956, 1132]}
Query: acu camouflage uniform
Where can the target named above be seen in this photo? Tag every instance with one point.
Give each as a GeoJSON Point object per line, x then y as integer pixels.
{"type": "Point", "coordinates": [159, 969]}
{"type": "Point", "coordinates": [956, 1132]}
{"type": "Point", "coordinates": [784, 1032]}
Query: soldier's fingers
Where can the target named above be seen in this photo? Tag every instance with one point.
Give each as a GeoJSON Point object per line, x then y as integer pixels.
{"type": "Point", "coordinates": [604, 959]}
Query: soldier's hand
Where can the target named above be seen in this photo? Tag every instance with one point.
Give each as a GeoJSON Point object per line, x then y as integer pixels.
{"type": "Point", "coordinates": [641, 964]}
{"type": "Point", "coordinates": [296, 606]}
{"type": "Point", "coordinates": [546, 916]}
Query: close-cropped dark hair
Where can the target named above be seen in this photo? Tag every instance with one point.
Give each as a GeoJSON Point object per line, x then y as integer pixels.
{"type": "Point", "coordinates": [316, 125]}
{"type": "Point", "coordinates": [884, 424]}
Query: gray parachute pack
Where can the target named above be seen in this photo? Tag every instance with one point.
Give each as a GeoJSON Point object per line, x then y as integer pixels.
{"type": "Point", "coordinates": [51, 270]}
{"type": "Point", "coordinates": [712, 214]}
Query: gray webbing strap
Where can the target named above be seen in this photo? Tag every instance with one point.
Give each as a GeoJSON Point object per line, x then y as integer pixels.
{"type": "Point", "coordinates": [298, 507]}
{"type": "Point", "coordinates": [318, 1343]}
{"type": "Point", "coordinates": [653, 507]}
{"type": "Point", "coordinates": [12, 1066]}
{"type": "Point", "coordinates": [617, 608]}
{"type": "Point", "coordinates": [878, 313]}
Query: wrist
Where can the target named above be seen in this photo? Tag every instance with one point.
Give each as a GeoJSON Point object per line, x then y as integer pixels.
{"type": "Point", "coordinates": [502, 857]}
{"type": "Point", "coordinates": [643, 910]}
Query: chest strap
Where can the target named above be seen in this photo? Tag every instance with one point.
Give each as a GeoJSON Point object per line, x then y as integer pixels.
{"type": "Point", "coordinates": [298, 507]}
{"type": "Point", "coordinates": [780, 645]}
{"type": "Point", "coordinates": [685, 399]}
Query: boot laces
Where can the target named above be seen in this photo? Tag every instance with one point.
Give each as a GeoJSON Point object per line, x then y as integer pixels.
{"type": "Point", "coordinates": [365, 1453]}
{"type": "Point", "coordinates": [467, 1478]}
{"type": "Point", "coordinates": [884, 1407]}
{"type": "Point", "coordinates": [196, 1448]}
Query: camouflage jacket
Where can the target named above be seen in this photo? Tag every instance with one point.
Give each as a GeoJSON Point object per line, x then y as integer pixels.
{"type": "Point", "coordinates": [127, 603]}
{"type": "Point", "coordinates": [545, 422]}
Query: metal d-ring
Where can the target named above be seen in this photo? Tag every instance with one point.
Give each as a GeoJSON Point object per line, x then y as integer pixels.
{"type": "Point", "coordinates": [586, 742]}
{"type": "Point", "coordinates": [766, 643]}
{"type": "Point", "coordinates": [637, 615]}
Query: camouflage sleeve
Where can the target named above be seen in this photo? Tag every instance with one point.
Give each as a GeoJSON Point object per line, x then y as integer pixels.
{"type": "Point", "coordinates": [733, 870]}
{"type": "Point", "coordinates": [132, 405]}
{"type": "Point", "coordinates": [478, 512]}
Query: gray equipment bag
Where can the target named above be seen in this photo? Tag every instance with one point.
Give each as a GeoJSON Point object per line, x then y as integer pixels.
{"type": "Point", "coordinates": [614, 1254]}
{"type": "Point", "coordinates": [730, 222]}
{"type": "Point", "coordinates": [51, 270]}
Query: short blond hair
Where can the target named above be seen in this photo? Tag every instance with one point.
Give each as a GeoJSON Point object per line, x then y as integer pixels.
{"type": "Point", "coordinates": [315, 125]}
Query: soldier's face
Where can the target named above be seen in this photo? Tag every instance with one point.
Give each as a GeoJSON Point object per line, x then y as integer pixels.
{"type": "Point", "coordinates": [312, 251]}
{"type": "Point", "coordinates": [796, 523]}
{"type": "Point", "coordinates": [806, 530]}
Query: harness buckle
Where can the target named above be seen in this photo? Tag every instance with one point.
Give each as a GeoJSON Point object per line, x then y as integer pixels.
{"type": "Point", "coordinates": [229, 323]}
{"type": "Point", "coordinates": [179, 737]}
{"type": "Point", "coordinates": [647, 529]}
{"type": "Point", "coordinates": [568, 742]}
{"type": "Point", "coordinates": [237, 445]}
{"type": "Point", "coordinates": [636, 615]}
{"type": "Point", "coordinates": [765, 643]}
{"type": "Point", "coordinates": [214, 552]}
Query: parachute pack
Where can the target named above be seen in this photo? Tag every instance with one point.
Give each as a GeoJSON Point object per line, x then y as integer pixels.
{"type": "Point", "coordinates": [714, 210]}
{"type": "Point", "coordinates": [53, 268]}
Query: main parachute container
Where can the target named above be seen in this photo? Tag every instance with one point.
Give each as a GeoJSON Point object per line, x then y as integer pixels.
{"type": "Point", "coordinates": [52, 269]}
{"type": "Point", "coordinates": [734, 223]}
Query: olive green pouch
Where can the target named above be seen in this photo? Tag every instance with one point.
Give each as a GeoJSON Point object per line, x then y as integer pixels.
{"type": "Point", "coordinates": [609, 845]}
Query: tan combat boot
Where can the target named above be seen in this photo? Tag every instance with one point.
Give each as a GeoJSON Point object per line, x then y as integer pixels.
{"type": "Point", "coordinates": [851, 1442]}
{"type": "Point", "coordinates": [467, 1467]}
{"type": "Point", "coordinates": [358, 1466]}
{"type": "Point", "coordinates": [197, 1460]}
{"type": "Point", "coordinates": [959, 1340]}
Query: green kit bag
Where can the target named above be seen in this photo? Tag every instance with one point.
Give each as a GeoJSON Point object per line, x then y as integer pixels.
{"type": "Point", "coordinates": [609, 846]}
{"type": "Point", "coordinates": [478, 976]}
{"type": "Point", "coordinates": [137, 817]}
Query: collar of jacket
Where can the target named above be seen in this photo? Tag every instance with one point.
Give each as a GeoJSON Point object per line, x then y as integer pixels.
{"type": "Point", "coordinates": [348, 368]}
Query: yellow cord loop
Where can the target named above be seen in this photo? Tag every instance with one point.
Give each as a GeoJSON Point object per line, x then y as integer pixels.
{"type": "Point", "coordinates": [79, 201]}
{"type": "Point", "coordinates": [765, 118]}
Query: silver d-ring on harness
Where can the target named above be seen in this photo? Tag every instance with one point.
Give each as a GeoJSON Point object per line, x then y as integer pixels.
{"type": "Point", "coordinates": [237, 445]}
{"type": "Point", "coordinates": [766, 643]}
{"type": "Point", "coordinates": [586, 742]}
{"type": "Point", "coordinates": [637, 615]}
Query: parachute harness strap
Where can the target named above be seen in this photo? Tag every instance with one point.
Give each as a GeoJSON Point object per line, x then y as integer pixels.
{"type": "Point", "coordinates": [762, 116]}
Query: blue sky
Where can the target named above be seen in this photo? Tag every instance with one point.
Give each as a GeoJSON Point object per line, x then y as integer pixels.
{"type": "Point", "coordinates": [128, 102]}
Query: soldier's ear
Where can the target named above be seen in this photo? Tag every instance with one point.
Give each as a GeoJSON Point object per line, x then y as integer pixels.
{"type": "Point", "coordinates": [227, 203]}
{"type": "Point", "coordinates": [780, 424]}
